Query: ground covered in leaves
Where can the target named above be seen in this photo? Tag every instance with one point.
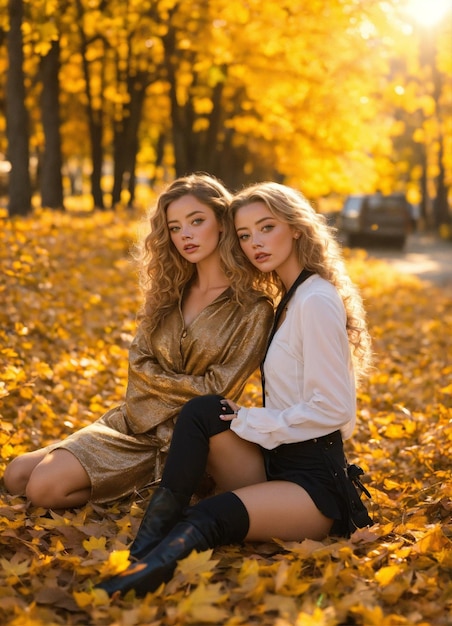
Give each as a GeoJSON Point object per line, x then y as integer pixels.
{"type": "Point", "coordinates": [69, 296]}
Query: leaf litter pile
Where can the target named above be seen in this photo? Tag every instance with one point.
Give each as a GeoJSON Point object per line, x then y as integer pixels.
{"type": "Point", "coordinates": [69, 298]}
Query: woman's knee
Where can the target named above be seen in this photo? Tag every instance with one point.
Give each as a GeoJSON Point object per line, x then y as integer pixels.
{"type": "Point", "coordinates": [19, 470]}
{"type": "Point", "coordinates": [41, 486]}
{"type": "Point", "coordinates": [201, 406]}
{"type": "Point", "coordinates": [16, 476]}
{"type": "Point", "coordinates": [204, 413]}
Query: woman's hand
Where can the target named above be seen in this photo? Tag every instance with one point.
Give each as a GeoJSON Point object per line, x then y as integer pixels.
{"type": "Point", "coordinates": [230, 410]}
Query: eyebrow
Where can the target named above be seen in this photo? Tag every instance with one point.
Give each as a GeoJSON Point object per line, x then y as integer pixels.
{"type": "Point", "coordinates": [188, 215]}
{"type": "Point", "coordinates": [267, 217]}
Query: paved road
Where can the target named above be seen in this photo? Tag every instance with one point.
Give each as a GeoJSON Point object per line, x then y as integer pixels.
{"type": "Point", "coordinates": [424, 255]}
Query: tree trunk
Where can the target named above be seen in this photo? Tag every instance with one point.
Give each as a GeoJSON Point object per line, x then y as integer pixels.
{"type": "Point", "coordinates": [442, 215]}
{"type": "Point", "coordinates": [95, 122]}
{"type": "Point", "coordinates": [126, 139]}
{"type": "Point", "coordinates": [119, 162]}
{"type": "Point", "coordinates": [51, 181]}
{"type": "Point", "coordinates": [132, 179]}
{"type": "Point", "coordinates": [95, 127]}
{"type": "Point", "coordinates": [159, 154]}
{"type": "Point", "coordinates": [441, 203]}
{"type": "Point", "coordinates": [178, 121]}
{"type": "Point", "coordinates": [17, 118]}
{"type": "Point", "coordinates": [425, 203]}
{"type": "Point", "coordinates": [137, 90]}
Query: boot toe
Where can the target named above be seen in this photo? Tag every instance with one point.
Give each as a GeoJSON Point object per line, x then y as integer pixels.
{"type": "Point", "coordinates": [141, 577]}
{"type": "Point", "coordinates": [124, 582]}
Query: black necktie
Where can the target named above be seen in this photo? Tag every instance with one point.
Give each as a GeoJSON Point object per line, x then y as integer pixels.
{"type": "Point", "coordinates": [279, 311]}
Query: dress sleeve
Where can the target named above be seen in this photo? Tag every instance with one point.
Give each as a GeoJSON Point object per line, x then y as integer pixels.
{"type": "Point", "coordinates": [154, 394]}
{"type": "Point", "coordinates": [326, 399]}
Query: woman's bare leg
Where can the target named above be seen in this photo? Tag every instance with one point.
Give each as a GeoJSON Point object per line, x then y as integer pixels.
{"type": "Point", "coordinates": [55, 480]}
{"type": "Point", "coordinates": [234, 462]}
{"type": "Point", "coordinates": [282, 510]}
{"type": "Point", "coordinates": [59, 482]}
{"type": "Point", "coordinates": [18, 471]}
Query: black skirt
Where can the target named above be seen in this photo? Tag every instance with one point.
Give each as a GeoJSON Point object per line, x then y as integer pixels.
{"type": "Point", "coordinates": [320, 467]}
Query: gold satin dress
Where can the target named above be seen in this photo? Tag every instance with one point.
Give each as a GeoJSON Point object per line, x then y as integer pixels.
{"type": "Point", "coordinates": [124, 450]}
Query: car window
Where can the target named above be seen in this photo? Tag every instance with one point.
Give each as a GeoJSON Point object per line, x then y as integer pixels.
{"type": "Point", "coordinates": [352, 205]}
{"type": "Point", "coordinates": [388, 205]}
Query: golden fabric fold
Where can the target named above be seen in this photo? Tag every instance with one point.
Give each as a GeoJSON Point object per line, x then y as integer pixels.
{"type": "Point", "coordinates": [216, 353]}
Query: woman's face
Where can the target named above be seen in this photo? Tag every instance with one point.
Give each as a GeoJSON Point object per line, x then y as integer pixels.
{"type": "Point", "coordinates": [267, 241]}
{"type": "Point", "coordinates": [193, 228]}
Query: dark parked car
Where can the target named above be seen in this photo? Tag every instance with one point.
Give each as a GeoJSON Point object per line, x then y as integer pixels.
{"type": "Point", "coordinates": [376, 217]}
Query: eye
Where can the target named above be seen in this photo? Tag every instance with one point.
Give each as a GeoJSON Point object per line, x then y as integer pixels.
{"type": "Point", "coordinates": [243, 237]}
{"type": "Point", "coordinates": [267, 228]}
{"type": "Point", "coordinates": [174, 229]}
{"type": "Point", "coordinates": [197, 221]}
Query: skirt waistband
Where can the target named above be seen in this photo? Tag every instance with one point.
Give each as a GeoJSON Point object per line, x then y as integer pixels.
{"type": "Point", "coordinates": [334, 437]}
{"type": "Point", "coordinates": [326, 441]}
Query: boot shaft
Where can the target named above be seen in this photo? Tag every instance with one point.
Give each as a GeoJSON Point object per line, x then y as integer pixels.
{"type": "Point", "coordinates": [215, 521]}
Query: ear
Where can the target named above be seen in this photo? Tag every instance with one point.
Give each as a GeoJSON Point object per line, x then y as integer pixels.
{"type": "Point", "coordinates": [296, 235]}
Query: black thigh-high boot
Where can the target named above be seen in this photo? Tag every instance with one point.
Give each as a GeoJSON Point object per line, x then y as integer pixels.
{"type": "Point", "coordinates": [185, 465]}
{"type": "Point", "coordinates": [163, 511]}
{"type": "Point", "coordinates": [216, 521]}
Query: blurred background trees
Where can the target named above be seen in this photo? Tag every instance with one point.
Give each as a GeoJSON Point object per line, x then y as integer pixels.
{"type": "Point", "coordinates": [102, 96]}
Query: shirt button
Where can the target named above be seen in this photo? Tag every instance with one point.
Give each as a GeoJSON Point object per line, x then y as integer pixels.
{"type": "Point", "coordinates": [184, 334]}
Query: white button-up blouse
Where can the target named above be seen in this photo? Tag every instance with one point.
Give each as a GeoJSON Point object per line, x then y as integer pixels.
{"type": "Point", "coordinates": [309, 380]}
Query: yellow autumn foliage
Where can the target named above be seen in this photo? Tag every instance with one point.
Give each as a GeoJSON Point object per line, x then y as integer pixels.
{"type": "Point", "coordinates": [69, 299]}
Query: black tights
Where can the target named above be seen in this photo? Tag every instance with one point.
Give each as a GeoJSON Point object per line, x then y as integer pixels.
{"type": "Point", "coordinates": [187, 457]}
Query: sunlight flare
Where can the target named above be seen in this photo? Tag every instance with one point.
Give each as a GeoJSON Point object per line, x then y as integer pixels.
{"type": "Point", "coordinates": [429, 12]}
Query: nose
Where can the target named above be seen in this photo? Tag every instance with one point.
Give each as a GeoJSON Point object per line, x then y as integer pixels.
{"type": "Point", "coordinates": [255, 240]}
{"type": "Point", "coordinates": [186, 234]}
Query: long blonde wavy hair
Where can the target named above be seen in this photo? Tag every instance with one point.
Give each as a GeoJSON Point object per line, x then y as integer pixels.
{"type": "Point", "coordinates": [317, 250]}
{"type": "Point", "coordinates": [164, 273]}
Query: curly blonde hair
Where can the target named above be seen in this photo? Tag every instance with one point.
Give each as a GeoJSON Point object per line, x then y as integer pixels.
{"type": "Point", "coordinates": [164, 272]}
{"type": "Point", "coordinates": [319, 251]}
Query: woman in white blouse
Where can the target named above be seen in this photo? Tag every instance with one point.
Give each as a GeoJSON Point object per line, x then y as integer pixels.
{"type": "Point", "coordinates": [281, 467]}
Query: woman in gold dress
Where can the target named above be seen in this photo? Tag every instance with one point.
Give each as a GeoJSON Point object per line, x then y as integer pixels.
{"type": "Point", "coordinates": [203, 329]}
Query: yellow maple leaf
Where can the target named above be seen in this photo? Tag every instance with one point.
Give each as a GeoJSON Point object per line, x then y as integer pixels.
{"type": "Point", "coordinates": [197, 564]}
{"type": "Point", "coordinates": [318, 618]}
{"type": "Point", "coordinates": [96, 597]}
{"type": "Point", "coordinates": [290, 581]}
{"type": "Point", "coordinates": [286, 607]}
{"type": "Point", "coordinates": [389, 484]}
{"type": "Point", "coordinates": [59, 546]}
{"type": "Point", "coordinates": [386, 574]}
{"type": "Point", "coordinates": [117, 562]}
{"type": "Point", "coordinates": [303, 549]}
{"type": "Point", "coordinates": [83, 598]}
{"type": "Point", "coordinates": [432, 542]}
{"type": "Point", "coordinates": [392, 592]}
{"type": "Point", "coordinates": [199, 605]}
{"type": "Point", "coordinates": [94, 543]}
{"type": "Point", "coordinates": [14, 569]}
{"type": "Point", "coordinates": [28, 617]}
{"type": "Point", "coordinates": [252, 585]}
{"type": "Point", "coordinates": [395, 431]}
